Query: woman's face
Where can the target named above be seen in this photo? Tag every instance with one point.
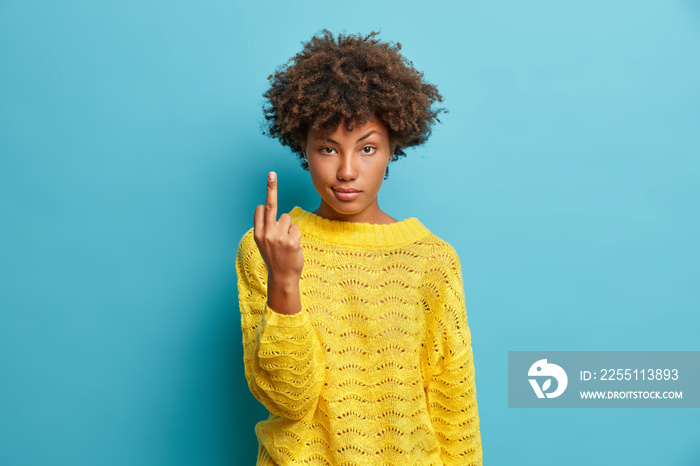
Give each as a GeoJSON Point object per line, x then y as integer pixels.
{"type": "Point", "coordinates": [354, 160]}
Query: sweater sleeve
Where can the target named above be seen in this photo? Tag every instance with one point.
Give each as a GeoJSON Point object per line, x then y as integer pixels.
{"type": "Point", "coordinates": [282, 355]}
{"type": "Point", "coordinates": [449, 380]}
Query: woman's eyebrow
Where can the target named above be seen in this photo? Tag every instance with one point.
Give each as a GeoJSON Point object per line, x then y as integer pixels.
{"type": "Point", "coordinates": [363, 137]}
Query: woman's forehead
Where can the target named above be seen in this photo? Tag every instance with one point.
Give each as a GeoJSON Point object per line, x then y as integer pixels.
{"type": "Point", "coordinates": [375, 125]}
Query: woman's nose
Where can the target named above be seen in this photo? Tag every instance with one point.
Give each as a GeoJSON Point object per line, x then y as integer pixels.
{"type": "Point", "coordinates": [348, 168]}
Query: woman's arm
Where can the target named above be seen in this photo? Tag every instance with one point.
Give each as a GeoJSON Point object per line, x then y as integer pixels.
{"type": "Point", "coordinates": [283, 358]}
{"type": "Point", "coordinates": [449, 364]}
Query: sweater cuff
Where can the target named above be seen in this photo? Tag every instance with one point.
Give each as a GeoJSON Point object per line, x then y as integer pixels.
{"type": "Point", "coordinates": [271, 318]}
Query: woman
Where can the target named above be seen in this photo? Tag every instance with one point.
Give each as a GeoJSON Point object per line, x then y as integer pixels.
{"type": "Point", "coordinates": [354, 325]}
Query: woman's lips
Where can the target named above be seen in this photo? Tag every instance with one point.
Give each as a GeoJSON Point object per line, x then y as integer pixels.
{"type": "Point", "coordinates": [346, 196]}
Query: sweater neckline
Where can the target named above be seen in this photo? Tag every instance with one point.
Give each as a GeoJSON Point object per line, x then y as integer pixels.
{"type": "Point", "coordinates": [358, 233]}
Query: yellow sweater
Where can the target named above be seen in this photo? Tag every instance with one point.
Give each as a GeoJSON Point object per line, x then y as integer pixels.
{"type": "Point", "coordinates": [377, 368]}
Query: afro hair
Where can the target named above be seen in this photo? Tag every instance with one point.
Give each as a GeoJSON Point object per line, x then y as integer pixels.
{"type": "Point", "coordinates": [352, 77]}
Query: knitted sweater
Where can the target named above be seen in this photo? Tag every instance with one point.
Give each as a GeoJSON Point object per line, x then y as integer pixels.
{"type": "Point", "coordinates": [377, 368]}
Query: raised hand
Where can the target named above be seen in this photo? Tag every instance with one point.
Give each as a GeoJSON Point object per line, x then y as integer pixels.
{"type": "Point", "coordinates": [279, 243]}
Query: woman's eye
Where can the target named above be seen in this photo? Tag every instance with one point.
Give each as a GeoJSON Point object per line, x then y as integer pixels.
{"type": "Point", "coordinates": [328, 148]}
{"type": "Point", "coordinates": [371, 150]}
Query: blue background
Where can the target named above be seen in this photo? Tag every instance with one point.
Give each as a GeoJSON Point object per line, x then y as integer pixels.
{"type": "Point", "coordinates": [131, 161]}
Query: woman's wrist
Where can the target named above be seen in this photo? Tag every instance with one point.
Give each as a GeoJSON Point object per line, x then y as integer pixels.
{"type": "Point", "coordinates": [283, 295]}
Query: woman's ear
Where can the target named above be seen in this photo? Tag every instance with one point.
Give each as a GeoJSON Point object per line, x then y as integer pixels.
{"type": "Point", "coordinates": [392, 146]}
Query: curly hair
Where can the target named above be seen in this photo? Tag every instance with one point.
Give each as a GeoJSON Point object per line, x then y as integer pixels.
{"type": "Point", "coordinates": [352, 77]}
